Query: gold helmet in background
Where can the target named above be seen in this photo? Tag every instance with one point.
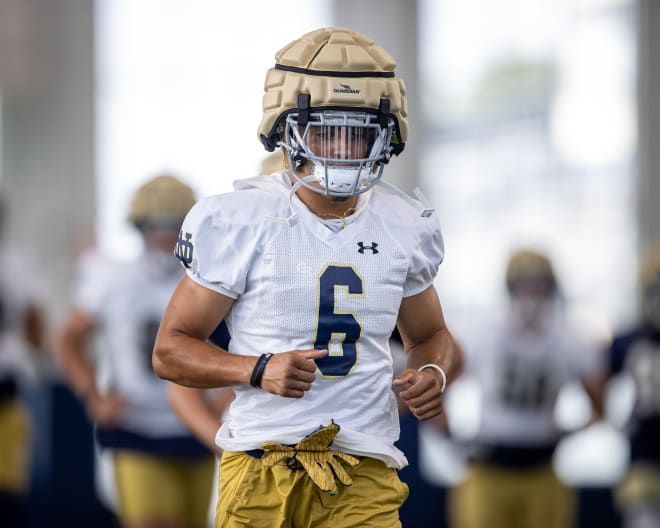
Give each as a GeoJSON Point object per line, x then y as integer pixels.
{"type": "Point", "coordinates": [160, 199]}
{"type": "Point", "coordinates": [649, 278]}
{"type": "Point", "coordinates": [272, 163]}
{"type": "Point", "coordinates": [649, 270]}
{"type": "Point", "coordinates": [529, 264]}
{"type": "Point", "coordinates": [335, 78]}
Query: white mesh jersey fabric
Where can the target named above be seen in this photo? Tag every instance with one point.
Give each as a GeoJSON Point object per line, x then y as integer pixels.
{"type": "Point", "coordinates": [127, 301]}
{"type": "Point", "coordinates": [300, 285]}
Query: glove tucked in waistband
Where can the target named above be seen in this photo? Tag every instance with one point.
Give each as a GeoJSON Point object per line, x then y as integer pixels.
{"type": "Point", "coordinates": [323, 465]}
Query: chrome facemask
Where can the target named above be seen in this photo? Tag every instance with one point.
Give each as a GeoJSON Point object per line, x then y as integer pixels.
{"type": "Point", "coordinates": [348, 150]}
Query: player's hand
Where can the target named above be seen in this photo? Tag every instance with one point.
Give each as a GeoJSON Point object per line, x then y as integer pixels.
{"type": "Point", "coordinates": [420, 391]}
{"type": "Point", "coordinates": [106, 409]}
{"type": "Point", "coordinates": [291, 374]}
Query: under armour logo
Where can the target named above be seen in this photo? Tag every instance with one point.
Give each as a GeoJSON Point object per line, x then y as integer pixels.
{"type": "Point", "coordinates": [372, 247]}
{"type": "Point", "coordinates": [184, 249]}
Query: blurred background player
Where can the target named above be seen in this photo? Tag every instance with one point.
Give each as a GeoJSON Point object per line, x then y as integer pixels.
{"type": "Point", "coordinates": [21, 338]}
{"type": "Point", "coordinates": [521, 360]}
{"type": "Point", "coordinates": [635, 354]}
{"type": "Point", "coordinates": [163, 475]}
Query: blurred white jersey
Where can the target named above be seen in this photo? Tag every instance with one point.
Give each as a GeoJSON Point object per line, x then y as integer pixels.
{"type": "Point", "coordinates": [521, 374]}
{"type": "Point", "coordinates": [302, 283]}
{"type": "Point", "coordinates": [127, 301]}
{"type": "Point", "coordinates": [18, 292]}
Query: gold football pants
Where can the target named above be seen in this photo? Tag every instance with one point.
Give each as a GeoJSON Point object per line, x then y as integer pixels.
{"type": "Point", "coordinates": [163, 489]}
{"type": "Point", "coordinates": [15, 447]}
{"type": "Point", "coordinates": [255, 495]}
{"type": "Point", "coordinates": [496, 497]}
{"type": "Point", "coordinates": [641, 486]}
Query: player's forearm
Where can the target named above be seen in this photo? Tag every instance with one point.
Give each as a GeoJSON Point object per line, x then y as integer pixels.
{"type": "Point", "coordinates": [595, 387]}
{"type": "Point", "coordinates": [76, 368]}
{"type": "Point", "coordinates": [34, 328]}
{"type": "Point", "coordinates": [71, 351]}
{"type": "Point", "coordinates": [192, 408]}
{"type": "Point", "coordinates": [194, 362]}
{"type": "Point", "coordinates": [440, 349]}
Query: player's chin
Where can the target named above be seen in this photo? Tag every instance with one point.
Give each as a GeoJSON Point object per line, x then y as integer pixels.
{"type": "Point", "coordinates": [340, 198]}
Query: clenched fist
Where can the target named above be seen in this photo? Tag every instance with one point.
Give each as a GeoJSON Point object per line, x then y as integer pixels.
{"type": "Point", "coordinates": [290, 374]}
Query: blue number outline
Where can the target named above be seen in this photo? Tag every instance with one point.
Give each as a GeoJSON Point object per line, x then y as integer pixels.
{"type": "Point", "coordinates": [338, 365]}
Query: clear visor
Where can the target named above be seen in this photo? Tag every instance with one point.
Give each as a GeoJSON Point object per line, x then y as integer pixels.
{"type": "Point", "coordinates": [340, 143]}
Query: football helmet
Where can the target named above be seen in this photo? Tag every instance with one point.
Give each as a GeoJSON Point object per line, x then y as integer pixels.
{"type": "Point", "coordinates": [272, 163]}
{"type": "Point", "coordinates": [333, 98]}
{"type": "Point", "coordinates": [528, 264]}
{"type": "Point", "coordinates": [162, 200]}
{"type": "Point", "coordinates": [649, 272]}
{"type": "Point", "coordinates": [649, 276]}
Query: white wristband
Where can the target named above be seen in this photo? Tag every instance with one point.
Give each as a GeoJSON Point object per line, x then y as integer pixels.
{"type": "Point", "coordinates": [443, 375]}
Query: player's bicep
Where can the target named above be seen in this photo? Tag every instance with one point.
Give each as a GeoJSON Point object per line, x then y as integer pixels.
{"type": "Point", "coordinates": [194, 311]}
{"type": "Point", "coordinates": [420, 317]}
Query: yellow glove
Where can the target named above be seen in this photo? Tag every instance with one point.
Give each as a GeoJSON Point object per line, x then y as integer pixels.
{"type": "Point", "coordinates": [321, 464]}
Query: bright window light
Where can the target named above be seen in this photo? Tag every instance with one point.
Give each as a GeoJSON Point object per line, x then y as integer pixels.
{"type": "Point", "coordinates": [179, 88]}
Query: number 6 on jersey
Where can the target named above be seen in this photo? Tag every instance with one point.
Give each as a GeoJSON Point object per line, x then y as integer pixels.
{"type": "Point", "coordinates": [338, 331]}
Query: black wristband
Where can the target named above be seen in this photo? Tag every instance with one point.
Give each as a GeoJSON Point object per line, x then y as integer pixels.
{"type": "Point", "coordinates": [259, 367]}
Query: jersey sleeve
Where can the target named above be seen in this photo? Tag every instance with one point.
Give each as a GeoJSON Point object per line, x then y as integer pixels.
{"type": "Point", "coordinates": [216, 251]}
{"type": "Point", "coordinates": [92, 278]}
{"type": "Point", "coordinates": [424, 263]}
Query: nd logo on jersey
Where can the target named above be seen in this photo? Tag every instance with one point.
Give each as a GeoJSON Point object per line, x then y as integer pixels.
{"type": "Point", "coordinates": [184, 249]}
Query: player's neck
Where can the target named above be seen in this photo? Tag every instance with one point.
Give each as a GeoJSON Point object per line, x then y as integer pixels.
{"type": "Point", "coordinates": [325, 207]}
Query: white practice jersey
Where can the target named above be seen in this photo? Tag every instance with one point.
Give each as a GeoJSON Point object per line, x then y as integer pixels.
{"type": "Point", "coordinates": [18, 292]}
{"type": "Point", "coordinates": [127, 301]}
{"type": "Point", "coordinates": [300, 283]}
{"type": "Point", "coordinates": [521, 374]}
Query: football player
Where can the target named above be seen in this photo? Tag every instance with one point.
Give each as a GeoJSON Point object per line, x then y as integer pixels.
{"type": "Point", "coordinates": [521, 360]}
{"type": "Point", "coordinates": [163, 474]}
{"type": "Point", "coordinates": [636, 354]}
{"type": "Point", "coordinates": [311, 268]}
{"type": "Point", "coordinates": [21, 340]}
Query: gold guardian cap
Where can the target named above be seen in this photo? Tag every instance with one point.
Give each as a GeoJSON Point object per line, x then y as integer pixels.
{"type": "Point", "coordinates": [338, 85]}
